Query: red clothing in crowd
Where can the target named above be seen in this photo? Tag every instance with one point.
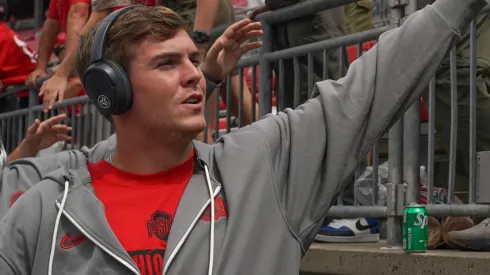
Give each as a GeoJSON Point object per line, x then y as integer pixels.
{"type": "Point", "coordinates": [149, 3]}
{"type": "Point", "coordinates": [58, 10]}
{"type": "Point", "coordinates": [17, 60]}
{"type": "Point", "coordinates": [140, 208]}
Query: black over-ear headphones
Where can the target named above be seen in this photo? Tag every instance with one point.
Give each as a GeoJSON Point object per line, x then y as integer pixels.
{"type": "Point", "coordinates": [107, 84]}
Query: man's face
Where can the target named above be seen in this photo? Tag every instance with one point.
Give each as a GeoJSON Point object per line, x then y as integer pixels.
{"type": "Point", "coordinates": [168, 86]}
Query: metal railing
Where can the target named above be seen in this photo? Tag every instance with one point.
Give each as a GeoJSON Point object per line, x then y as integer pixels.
{"type": "Point", "coordinates": [403, 138]}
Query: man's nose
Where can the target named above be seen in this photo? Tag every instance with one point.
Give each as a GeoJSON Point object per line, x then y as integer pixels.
{"type": "Point", "coordinates": [192, 74]}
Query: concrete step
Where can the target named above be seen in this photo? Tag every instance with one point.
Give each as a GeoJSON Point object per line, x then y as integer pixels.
{"type": "Point", "coordinates": [375, 259]}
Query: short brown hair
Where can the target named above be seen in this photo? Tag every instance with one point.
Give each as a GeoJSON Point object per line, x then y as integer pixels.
{"type": "Point", "coordinates": [128, 31]}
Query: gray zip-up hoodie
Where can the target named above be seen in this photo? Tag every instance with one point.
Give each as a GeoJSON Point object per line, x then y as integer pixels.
{"type": "Point", "coordinates": [272, 181]}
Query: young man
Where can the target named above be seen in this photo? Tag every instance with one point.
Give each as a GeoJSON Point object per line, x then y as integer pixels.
{"type": "Point", "coordinates": [249, 204]}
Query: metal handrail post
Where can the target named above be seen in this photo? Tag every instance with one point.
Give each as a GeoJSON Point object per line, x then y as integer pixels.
{"type": "Point", "coordinates": [265, 82]}
{"type": "Point", "coordinates": [395, 157]}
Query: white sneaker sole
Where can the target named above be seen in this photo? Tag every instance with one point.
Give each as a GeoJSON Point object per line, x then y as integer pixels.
{"type": "Point", "coordinates": [370, 238]}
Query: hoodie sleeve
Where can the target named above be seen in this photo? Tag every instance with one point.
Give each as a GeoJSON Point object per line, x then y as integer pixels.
{"type": "Point", "coordinates": [18, 245]}
{"type": "Point", "coordinates": [314, 149]}
{"type": "Point", "coordinates": [20, 175]}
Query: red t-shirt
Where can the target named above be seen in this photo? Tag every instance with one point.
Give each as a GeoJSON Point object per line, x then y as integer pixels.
{"type": "Point", "coordinates": [140, 208]}
{"type": "Point", "coordinates": [58, 10]}
{"type": "Point", "coordinates": [17, 60]}
{"type": "Point", "coordinates": [149, 3]}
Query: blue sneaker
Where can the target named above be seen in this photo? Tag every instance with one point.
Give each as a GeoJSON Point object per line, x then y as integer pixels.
{"type": "Point", "coordinates": [363, 230]}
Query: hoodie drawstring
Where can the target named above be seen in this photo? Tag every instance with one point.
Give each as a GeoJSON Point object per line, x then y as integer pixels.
{"type": "Point", "coordinates": [211, 238]}
{"type": "Point", "coordinates": [55, 231]}
{"type": "Point", "coordinates": [211, 241]}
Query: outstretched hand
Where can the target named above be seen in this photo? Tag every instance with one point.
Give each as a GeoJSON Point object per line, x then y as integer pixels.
{"type": "Point", "coordinates": [225, 53]}
{"type": "Point", "coordinates": [41, 135]}
{"type": "Point", "coordinates": [53, 88]}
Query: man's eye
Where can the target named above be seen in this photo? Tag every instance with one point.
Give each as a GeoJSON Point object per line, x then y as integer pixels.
{"type": "Point", "coordinates": [166, 63]}
{"type": "Point", "coordinates": [197, 62]}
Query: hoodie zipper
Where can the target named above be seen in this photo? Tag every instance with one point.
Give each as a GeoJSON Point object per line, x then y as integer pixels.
{"type": "Point", "coordinates": [90, 237]}
{"type": "Point", "coordinates": [189, 229]}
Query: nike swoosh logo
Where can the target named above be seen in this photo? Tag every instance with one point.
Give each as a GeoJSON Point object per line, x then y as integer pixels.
{"type": "Point", "coordinates": [361, 227]}
{"type": "Point", "coordinates": [15, 197]}
{"type": "Point", "coordinates": [69, 242]}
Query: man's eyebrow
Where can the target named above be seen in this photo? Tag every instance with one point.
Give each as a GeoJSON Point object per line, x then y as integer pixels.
{"type": "Point", "coordinates": [165, 55]}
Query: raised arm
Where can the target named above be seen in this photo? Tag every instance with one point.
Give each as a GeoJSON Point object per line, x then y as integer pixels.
{"type": "Point", "coordinates": [313, 150]}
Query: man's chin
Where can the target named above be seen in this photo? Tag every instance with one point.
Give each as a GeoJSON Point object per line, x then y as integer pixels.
{"type": "Point", "coordinates": [194, 129]}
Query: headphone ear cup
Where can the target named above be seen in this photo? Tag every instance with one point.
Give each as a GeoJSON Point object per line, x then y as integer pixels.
{"type": "Point", "coordinates": [108, 87]}
{"type": "Point", "coordinates": [123, 91]}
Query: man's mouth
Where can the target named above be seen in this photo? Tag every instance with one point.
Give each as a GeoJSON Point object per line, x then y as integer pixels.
{"type": "Point", "coordinates": [194, 99]}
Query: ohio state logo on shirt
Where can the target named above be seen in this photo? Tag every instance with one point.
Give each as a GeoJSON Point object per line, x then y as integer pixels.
{"type": "Point", "coordinates": [219, 210]}
{"type": "Point", "coordinates": [159, 225]}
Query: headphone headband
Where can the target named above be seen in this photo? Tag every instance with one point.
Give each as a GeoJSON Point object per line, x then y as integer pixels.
{"type": "Point", "coordinates": [106, 82]}
{"type": "Point", "coordinates": [102, 34]}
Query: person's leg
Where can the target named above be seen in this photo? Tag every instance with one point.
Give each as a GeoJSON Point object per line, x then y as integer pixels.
{"type": "Point", "coordinates": [358, 16]}
{"type": "Point", "coordinates": [443, 127]}
{"type": "Point", "coordinates": [477, 237]}
{"type": "Point", "coordinates": [226, 16]}
{"type": "Point", "coordinates": [235, 102]}
{"type": "Point", "coordinates": [310, 29]}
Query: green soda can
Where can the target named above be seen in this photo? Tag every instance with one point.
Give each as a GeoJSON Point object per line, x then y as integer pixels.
{"type": "Point", "coordinates": [415, 229]}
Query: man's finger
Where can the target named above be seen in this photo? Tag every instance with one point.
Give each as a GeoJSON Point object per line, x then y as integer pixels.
{"type": "Point", "coordinates": [215, 49]}
{"type": "Point", "coordinates": [250, 46]}
{"type": "Point", "coordinates": [33, 128]}
{"type": "Point", "coordinates": [45, 104]}
{"type": "Point", "coordinates": [51, 103]}
{"type": "Point", "coordinates": [41, 91]}
{"type": "Point", "coordinates": [231, 30]}
{"type": "Point", "coordinates": [247, 28]}
{"type": "Point", "coordinates": [61, 129]}
{"type": "Point", "coordinates": [60, 96]}
{"type": "Point", "coordinates": [54, 120]}
{"type": "Point", "coordinates": [250, 35]}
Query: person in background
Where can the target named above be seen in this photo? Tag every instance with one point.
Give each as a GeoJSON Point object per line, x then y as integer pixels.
{"type": "Point", "coordinates": [202, 16]}
{"type": "Point", "coordinates": [56, 86]}
{"type": "Point", "coordinates": [17, 60]}
{"type": "Point", "coordinates": [359, 16]}
{"type": "Point", "coordinates": [477, 237]}
{"type": "Point", "coordinates": [68, 16]}
{"type": "Point", "coordinates": [300, 31]}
